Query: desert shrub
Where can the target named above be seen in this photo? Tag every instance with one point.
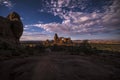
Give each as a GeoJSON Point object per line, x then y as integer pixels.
{"type": "Point", "coordinates": [74, 50]}
{"type": "Point", "coordinates": [40, 48]}
{"type": "Point", "coordinates": [58, 48]}
{"type": "Point", "coordinates": [86, 48]}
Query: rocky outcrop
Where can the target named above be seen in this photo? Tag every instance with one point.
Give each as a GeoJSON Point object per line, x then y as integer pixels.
{"type": "Point", "coordinates": [11, 28]}
{"type": "Point", "coordinates": [56, 38]}
{"type": "Point", "coordinates": [61, 40]}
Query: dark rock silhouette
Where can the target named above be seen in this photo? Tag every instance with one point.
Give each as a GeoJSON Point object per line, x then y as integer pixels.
{"type": "Point", "coordinates": [56, 38]}
{"type": "Point", "coordinates": [11, 28]}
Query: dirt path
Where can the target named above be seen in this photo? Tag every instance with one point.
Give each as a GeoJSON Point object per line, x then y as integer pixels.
{"type": "Point", "coordinates": [53, 67]}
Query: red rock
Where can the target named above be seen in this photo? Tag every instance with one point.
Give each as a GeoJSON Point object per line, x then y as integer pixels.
{"type": "Point", "coordinates": [11, 28]}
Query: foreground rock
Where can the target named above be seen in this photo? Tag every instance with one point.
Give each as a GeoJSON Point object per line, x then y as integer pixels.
{"type": "Point", "coordinates": [51, 67]}
{"type": "Point", "coordinates": [11, 29]}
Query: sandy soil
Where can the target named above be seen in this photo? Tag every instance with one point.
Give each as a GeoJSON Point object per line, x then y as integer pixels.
{"type": "Point", "coordinates": [58, 67]}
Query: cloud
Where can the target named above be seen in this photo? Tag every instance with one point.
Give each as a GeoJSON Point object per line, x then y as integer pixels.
{"type": "Point", "coordinates": [21, 18]}
{"type": "Point", "coordinates": [80, 22]}
{"type": "Point", "coordinates": [34, 36]}
{"type": "Point", "coordinates": [31, 34]}
{"type": "Point", "coordinates": [6, 3]}
{"type": "Point", "coordinates": [111, 18]}
{"type": "Point", "coordinates": [75, 23]}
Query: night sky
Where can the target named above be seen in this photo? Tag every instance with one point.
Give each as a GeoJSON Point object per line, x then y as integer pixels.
{"type": "Point", "coordinates": [78, 19]}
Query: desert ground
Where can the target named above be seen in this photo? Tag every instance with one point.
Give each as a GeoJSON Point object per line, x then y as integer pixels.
{"type": "Point", "coordinates": [61, 67]}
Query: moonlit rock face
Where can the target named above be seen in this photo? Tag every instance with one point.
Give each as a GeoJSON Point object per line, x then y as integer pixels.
{"type": "Point", "coordinates": [11, 28]}
{"type": "Point", "coordinates": [13, 16]}
{"type": "Point", "coordinates": [16, 25]}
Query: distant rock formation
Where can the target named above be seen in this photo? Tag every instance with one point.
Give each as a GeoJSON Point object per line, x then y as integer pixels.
{"type": "Point", "coordinates": [56, 38]}
{"type": "Point", "coordinates": [11, 28]}
{"type": "Point", "coordinates": [59, 41]}
{"type": "Point", "coordinates": [62, 40]}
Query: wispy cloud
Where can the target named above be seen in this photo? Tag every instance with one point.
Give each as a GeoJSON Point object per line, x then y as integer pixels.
{"type": "Point", "coordinates": [34, 36]}
{"type": "Point", "coordinates": [6, 3]}
{"type": "Point", "coordinates": [111, 18]}
{"type": "Point", "coordinates": [30, 34]}
{"type": "Point", "coordinates": [78, 22]}
{"type": "Point", "coordinates": [81, 22]}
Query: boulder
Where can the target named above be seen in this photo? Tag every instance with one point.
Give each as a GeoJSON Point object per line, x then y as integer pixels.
{"type": "Point", "coordinates": [11, 28]}
{"type": "Point", "coordinates": [16, 25]}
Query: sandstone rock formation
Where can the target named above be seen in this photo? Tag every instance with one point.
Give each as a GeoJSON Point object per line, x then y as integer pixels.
{"type": "Point", "coordinates": [62, 40]}
{"type": "Point", "coordinates": [56, 38]}
{"type": "Point", "coordinates": [11, 28]}
{"type": "Point", "coordinates": [59, 41]}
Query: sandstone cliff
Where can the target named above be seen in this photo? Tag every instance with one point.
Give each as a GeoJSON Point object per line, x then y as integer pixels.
{"type": "Point", "coordinates": [11, 29]}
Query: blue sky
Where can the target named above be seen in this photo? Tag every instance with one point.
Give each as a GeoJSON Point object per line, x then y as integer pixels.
{"type": "Point", "coordinates": [78, 19]}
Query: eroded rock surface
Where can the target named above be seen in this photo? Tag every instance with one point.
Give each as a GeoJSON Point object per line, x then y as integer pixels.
{"type": "Point", "coordinates": [11, 28]}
